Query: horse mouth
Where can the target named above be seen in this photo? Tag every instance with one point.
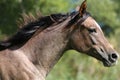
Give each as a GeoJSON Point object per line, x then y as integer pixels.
{"type": "Point", "coordinates": [107, 63]}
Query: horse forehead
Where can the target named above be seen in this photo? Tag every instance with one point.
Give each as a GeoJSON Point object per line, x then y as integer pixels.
{"type": "Point", "coordinates": [90, 22]}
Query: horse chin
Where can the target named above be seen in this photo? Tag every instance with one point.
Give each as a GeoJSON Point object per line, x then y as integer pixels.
{"type": "Point", "coordinates": [109, 64]}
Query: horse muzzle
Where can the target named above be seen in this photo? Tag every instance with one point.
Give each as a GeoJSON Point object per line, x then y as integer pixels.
{"type": "Point", "coordinates": [108, 58]}
{"type": "Point", "coordinates": [111, 60]}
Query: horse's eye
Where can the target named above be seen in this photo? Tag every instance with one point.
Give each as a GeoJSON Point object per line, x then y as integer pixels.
{"type": "Point", "coordinates": [92, 30]}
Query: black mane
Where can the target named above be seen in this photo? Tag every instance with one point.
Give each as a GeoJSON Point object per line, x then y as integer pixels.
{"type": "Point", "coordinates": [28, 30]}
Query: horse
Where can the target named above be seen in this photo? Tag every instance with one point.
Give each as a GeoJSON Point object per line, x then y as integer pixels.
{"type": "Point", "coordinates": [32, 52]}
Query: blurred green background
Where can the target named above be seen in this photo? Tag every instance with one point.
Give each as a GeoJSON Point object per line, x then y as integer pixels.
{"type": "Point", "coordinates": [73, 65]}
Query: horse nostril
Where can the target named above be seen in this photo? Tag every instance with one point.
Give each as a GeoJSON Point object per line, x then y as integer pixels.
{"type": "Point", "coordinates": [102, 50]}
{"type": "Point", "coordinates": [114, 56]}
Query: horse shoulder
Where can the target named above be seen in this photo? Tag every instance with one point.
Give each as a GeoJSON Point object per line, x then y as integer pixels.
{"type": "Point", "coordinates": [14, 65]}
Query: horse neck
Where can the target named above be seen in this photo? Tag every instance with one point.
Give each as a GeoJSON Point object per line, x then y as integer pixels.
{"type": "Point", "coordinates": [45, 49]}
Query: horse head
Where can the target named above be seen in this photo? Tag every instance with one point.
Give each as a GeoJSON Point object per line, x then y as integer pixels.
{"type": "Point", "coordinates": [88, 38]}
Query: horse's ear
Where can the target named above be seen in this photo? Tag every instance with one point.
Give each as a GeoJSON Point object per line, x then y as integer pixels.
{"type": "Point", "coordinates": [82, 8]}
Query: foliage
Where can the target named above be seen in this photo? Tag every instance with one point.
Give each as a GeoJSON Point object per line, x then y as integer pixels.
{"type": "Point", "coordinates": [72, 66]}
{"type": "Point", "coordinates": [105, 13]}
{"type": "Point", "coordinates": [11, 10]}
